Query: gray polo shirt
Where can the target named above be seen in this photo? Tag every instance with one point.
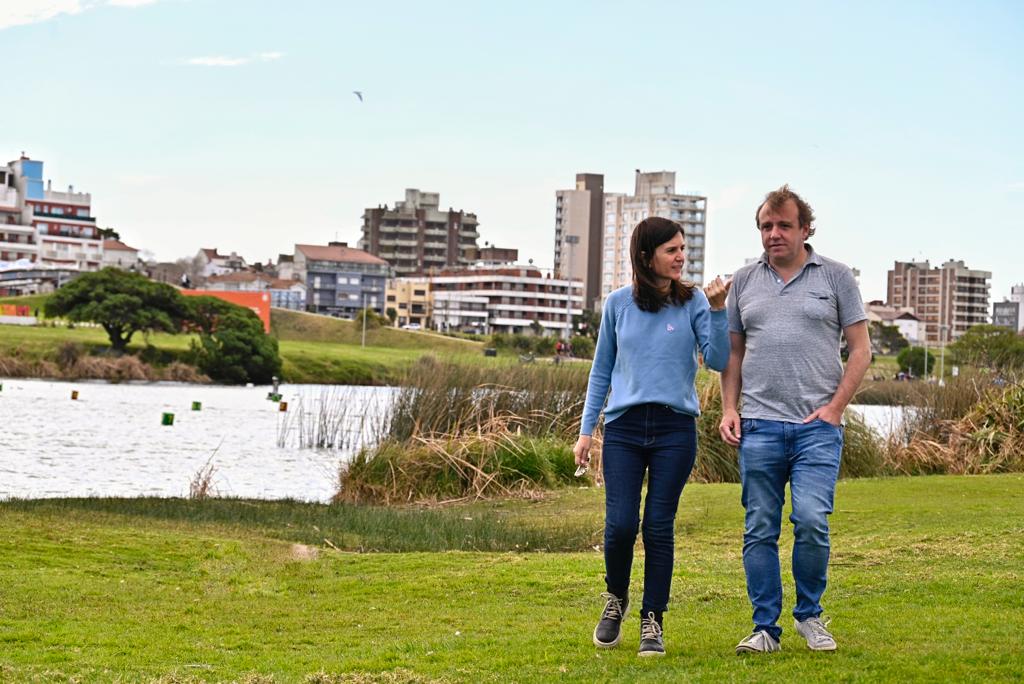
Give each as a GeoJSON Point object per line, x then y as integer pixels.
{"type": "Point", "coordinates": [791, 366]}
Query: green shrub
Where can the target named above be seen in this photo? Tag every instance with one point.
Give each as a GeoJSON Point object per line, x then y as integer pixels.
{"type": "Point", "coordinates": [582, 347]}
{"type": "Point", "coordinates": [912, 360]}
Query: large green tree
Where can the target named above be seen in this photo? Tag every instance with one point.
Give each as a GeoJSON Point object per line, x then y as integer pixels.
{"type": "Point", "coordinates": [232, 346]}
{"type": "Point", "coordinates": [122, 302]}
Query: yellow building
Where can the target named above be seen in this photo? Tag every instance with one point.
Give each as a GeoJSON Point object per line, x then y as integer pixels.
{"type": "Point", "coordinates": [410, 298]}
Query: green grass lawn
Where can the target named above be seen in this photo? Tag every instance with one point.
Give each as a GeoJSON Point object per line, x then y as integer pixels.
{"type": "Point", "coordinates": [925, 586]}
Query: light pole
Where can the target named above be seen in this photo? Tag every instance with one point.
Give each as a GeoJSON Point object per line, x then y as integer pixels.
{"type": "Point", "coordinates": [570, 241]}
{"type": "Point", "coordinates": [364, 316]}
{"type": "Point", "coordinates": [924, 376]}
{"type": "Point", "coordinates": [942, 355]}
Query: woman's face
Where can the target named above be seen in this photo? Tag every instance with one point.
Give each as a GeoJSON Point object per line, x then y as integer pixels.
{"type": "Point", "coordinates": [668, 259]}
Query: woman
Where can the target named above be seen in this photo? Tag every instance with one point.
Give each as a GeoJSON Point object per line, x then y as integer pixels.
{"type": "Point", "coordinates": [647, 355]}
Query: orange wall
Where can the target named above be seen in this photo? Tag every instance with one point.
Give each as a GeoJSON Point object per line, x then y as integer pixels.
{"type": "Point", "coordinates": [259, 302]}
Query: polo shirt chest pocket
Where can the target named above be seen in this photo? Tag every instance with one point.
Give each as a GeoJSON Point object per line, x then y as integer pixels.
{"type": "Point", "coordinates": [819, 304]}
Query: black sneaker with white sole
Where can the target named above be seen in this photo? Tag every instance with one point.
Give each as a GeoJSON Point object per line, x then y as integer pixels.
{"type": "Point", "coordinates": [652, 642]}
{"type": "Point", "coordinates": [608, 632]}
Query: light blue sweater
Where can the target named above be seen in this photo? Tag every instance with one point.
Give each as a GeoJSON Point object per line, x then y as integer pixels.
{"type": "Point", "coordinates": [652, 357]}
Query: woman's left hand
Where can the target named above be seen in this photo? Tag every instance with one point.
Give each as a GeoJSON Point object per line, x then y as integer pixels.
{"type": "Point", "coordinates": [716, 292]}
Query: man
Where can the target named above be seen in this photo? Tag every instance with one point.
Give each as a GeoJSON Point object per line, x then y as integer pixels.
{"type": "Point", "coordinates": [786, 312]}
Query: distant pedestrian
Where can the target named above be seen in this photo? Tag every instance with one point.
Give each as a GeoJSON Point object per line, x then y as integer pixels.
{"type": "Point", "coordinates": [786, 314]}
{"type": "Point", "coordinates": [647, 356]}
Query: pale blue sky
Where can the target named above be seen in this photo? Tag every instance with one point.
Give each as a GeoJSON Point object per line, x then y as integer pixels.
{"type": "Point", "coordinates": [232, 124]}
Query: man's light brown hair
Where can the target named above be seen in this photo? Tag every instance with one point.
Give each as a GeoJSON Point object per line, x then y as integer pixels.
{"type": "Point", "coordinates": [776, 198]}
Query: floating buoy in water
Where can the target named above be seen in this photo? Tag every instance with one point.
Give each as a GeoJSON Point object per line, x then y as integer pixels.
{"type": "Point", "coordinates": [197, 406]}
{"type": "Point", "coordinates": [167, 419]}
{"type": "Point", "coordinates": [74, 395]}
{"type": "Point", "coordinates": [283, 406]}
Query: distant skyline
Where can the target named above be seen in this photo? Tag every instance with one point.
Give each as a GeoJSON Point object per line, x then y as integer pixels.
{"type": "Point", "coordinates": [236, 125]}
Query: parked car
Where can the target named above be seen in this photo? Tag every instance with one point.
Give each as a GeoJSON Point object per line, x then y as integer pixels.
{"type": "Point", "coordinates": [412, 326]}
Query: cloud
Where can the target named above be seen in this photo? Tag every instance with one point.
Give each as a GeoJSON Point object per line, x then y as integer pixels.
{"type": "Point", "coordinates": [223, 61]}
{"type": "Point", "coordinates": [23, 12]}
{"type": "Point", "coordinates": [1016, 187]}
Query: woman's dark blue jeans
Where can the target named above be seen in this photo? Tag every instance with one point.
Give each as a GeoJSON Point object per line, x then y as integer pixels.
{"type": "Point", "coordinates": [649, 438]}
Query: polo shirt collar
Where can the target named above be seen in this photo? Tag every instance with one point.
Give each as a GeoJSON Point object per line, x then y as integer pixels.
{"type": "Point", "coordinates": [812, 257]}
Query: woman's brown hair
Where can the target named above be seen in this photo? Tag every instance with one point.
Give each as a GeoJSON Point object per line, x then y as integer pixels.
{"type": "Point", "coordinates": [648, 235]}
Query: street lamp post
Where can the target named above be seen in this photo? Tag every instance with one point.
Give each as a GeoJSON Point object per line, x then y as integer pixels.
{"type": "Point", "coordinates": [942, 354]}
{"type": "Point", "coordinates": [924, 376]}
{"type": "Point", "coordinates": [570, 241]}
{"type": "Point", "coordinates": [364, 317]}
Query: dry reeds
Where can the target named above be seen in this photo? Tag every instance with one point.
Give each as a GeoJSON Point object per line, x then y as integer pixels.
{"type": "Point", "coordinates": [74, 364]}
{"type": "Point", "coordinates": [200, 487]}
{"type": "Point", "coordinates": [988, 439]}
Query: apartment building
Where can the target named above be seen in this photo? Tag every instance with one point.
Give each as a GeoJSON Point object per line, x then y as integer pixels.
{"type": "Point", "coordinates": [410, 298]}
{"type": "Point", "coordinates": [579, 228]}
{"type": "Point", "coordinates": [1006, 314]}
{"type": "Point", "coordinates": [1017, 295]}
{"type": "Point", "coordinates": [948, 299]}
{"type": "Point", "coordinates": [506, 299]}
{"type": "Point", "coordinates": [43, 225]}
{"type": "Point", "coordinates": [654, 194]}
{"type": "Point", "coordinates": [340, 280]}
{"type": "Point", "coordinates": [417, 237]}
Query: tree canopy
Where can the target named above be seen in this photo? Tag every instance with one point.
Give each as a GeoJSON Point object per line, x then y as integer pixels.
{"type": "Point", "coordinates": [990, 346]}
{"type": "Point", "coordinates": [122, 302]}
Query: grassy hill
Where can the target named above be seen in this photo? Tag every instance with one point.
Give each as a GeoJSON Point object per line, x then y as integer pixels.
{"type": "Point", "coordinates": [313, 348]}
{"type": "Point", "coordinates": [924, 587]}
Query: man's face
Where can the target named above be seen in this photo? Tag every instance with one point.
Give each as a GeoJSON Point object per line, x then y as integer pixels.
{"type": "Point", "coordinates": [781, 233]}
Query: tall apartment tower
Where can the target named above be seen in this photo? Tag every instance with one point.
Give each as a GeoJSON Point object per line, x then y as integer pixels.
{"type": "Point", "coordinates": [417, 237]}
{"type": "Point", "coordinates": [44, 225]}
{"type": "Point", "coordinates": [578, 230]}
{"type": "Point", "coordinates": [654, 195]}
{"type": "Point", "coordinates": [948, 299]}
{"type": "Point", "coordinates": [1017, 295]}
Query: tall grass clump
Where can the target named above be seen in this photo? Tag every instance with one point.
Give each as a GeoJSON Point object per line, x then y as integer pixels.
{"type": "Point", "coordinates": [988, 437]}
{"type": "Point", "coordinates": [495, 462]}
{"type": "Point", "coordinates": [337, 418]}
{"type": "Point", "coordinates": [457, 432]}
{"type": "Point", "coordinates": [438, 398]}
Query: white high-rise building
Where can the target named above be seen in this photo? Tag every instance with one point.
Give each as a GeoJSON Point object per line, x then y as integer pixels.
{"type": "Point", "coordinates": [1017, 295]}
{"type": "Point", "coordinates": [654, 195]}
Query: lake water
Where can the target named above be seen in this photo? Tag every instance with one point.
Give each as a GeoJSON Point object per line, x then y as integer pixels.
{"type": "Point", "coordinates": [110, 442]}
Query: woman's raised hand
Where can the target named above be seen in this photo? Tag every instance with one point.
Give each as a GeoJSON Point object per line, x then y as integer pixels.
{"type": "Point", "coordinates": [716, 292]}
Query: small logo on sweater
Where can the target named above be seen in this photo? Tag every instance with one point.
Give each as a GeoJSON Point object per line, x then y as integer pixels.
{"type": "Point", "coordinates": [669, 328]}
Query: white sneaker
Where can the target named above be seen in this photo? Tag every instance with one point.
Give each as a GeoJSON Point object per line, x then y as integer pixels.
{"type": "Point", "coordinates": [758, 642]}
{"type": "Point", "coordinates": [818, 637]}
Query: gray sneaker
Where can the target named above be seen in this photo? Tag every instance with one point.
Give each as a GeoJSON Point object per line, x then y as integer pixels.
{"type": "Point", "coordinates": [818, 637]}
{"type": "Point", "coordinates": [758, 642]}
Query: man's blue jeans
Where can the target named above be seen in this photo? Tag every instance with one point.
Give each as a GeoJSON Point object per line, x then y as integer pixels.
{"type": "Point", "coordinates": [807, 456]}
{"type": "Point", "coordinates": [662, 442]}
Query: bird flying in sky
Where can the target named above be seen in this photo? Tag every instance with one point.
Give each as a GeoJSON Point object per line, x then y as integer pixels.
{"type": "Point", "coordinates": [359, 94]}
